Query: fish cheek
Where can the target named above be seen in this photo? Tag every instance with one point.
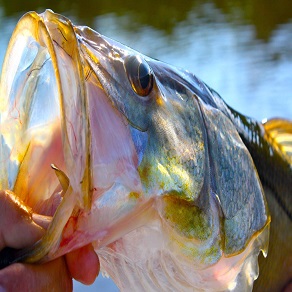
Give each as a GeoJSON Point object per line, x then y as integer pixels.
{"type": "Point", "coordinates": [174, 158]}
{"type": "Point", "coordinates": [193, 232]}
{"type": "Point", "coordinates": [174, 169]}
{"type": "Point", "coordinates": [140, 140]}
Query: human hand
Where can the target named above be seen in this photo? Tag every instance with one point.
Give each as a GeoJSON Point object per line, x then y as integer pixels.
{"type": "Point", "coordinates": [19, 228]}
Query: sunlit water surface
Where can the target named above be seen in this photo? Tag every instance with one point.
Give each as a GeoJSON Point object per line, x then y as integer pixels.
{"type": "Point", "coordinates": [253, 73]}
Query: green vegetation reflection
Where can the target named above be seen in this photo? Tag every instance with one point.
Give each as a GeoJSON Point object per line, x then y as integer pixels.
{"type": "Point", "coordinates": [264, 16]}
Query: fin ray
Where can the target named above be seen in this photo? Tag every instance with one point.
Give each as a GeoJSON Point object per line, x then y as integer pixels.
{"type": "Point", "coordinates": [279, 133]}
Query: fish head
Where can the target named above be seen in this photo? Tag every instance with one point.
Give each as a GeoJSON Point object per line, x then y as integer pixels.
{"type": "Point", "coordinates": [191, 160]}
{"type": "Point", "coordinates": [150, 154]}
{"type": "Point", "coordinates": [162, 120]}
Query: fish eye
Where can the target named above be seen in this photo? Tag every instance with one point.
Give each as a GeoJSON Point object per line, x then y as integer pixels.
{"type": "Point", "coordinates": [139, 74]}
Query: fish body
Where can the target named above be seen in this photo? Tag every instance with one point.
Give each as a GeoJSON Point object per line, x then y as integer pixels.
{"type": "Point", "coordinates": [152, 166]}
{"type": "Point", "coordinates": [271, 153]}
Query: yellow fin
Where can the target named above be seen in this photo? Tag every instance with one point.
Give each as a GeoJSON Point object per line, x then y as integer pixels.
{"type": "Point", "coordinates": [279, 133]}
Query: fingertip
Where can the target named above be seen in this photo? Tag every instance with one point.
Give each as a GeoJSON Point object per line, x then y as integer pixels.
{"type": "Point", "coordinates": [83, 264]}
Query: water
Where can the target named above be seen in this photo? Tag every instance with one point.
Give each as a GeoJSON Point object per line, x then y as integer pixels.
{"type": "Point", "coordinates": [240, 48]}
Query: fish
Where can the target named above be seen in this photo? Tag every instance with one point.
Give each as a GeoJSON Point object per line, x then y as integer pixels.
{"type": "Point", "coordinates": [175, 189]}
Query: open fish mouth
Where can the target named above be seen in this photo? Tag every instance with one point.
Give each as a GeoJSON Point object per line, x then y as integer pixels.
{"type": "Point", "coordinates": [140, 156]}
{"type": "Point", "coordinates": [55, 111]}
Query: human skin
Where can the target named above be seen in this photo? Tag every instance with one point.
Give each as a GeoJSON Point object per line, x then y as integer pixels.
{"type": "Point", "coordinates": [19, 228]}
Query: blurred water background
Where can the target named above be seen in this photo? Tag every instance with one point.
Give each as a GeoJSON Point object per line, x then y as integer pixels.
{"type": "Point", "coordinates": [242, 49]}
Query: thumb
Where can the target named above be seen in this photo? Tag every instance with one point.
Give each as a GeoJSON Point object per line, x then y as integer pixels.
{"type": "Point", "coordinates": [17, 229]}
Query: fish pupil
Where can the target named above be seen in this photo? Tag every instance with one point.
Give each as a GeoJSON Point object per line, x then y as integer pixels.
{"type": "Point", "coordinates": [144, 76]}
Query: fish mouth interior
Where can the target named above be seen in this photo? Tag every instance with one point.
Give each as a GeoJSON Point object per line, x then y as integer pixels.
{"type": "Point", "coordinates": [30, 121]}
{"type": "Point", "coordinates": [32, 127]}
{"type": "Point", "coordinates": [113, 154]}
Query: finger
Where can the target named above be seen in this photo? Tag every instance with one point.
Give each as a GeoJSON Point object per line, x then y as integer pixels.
{"type": "Point", "coordinates": [52, 276]}
{"type": "Point", "coordinates": [17, 229]}
{"type": "Point", "coordinates": [86, 258]}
